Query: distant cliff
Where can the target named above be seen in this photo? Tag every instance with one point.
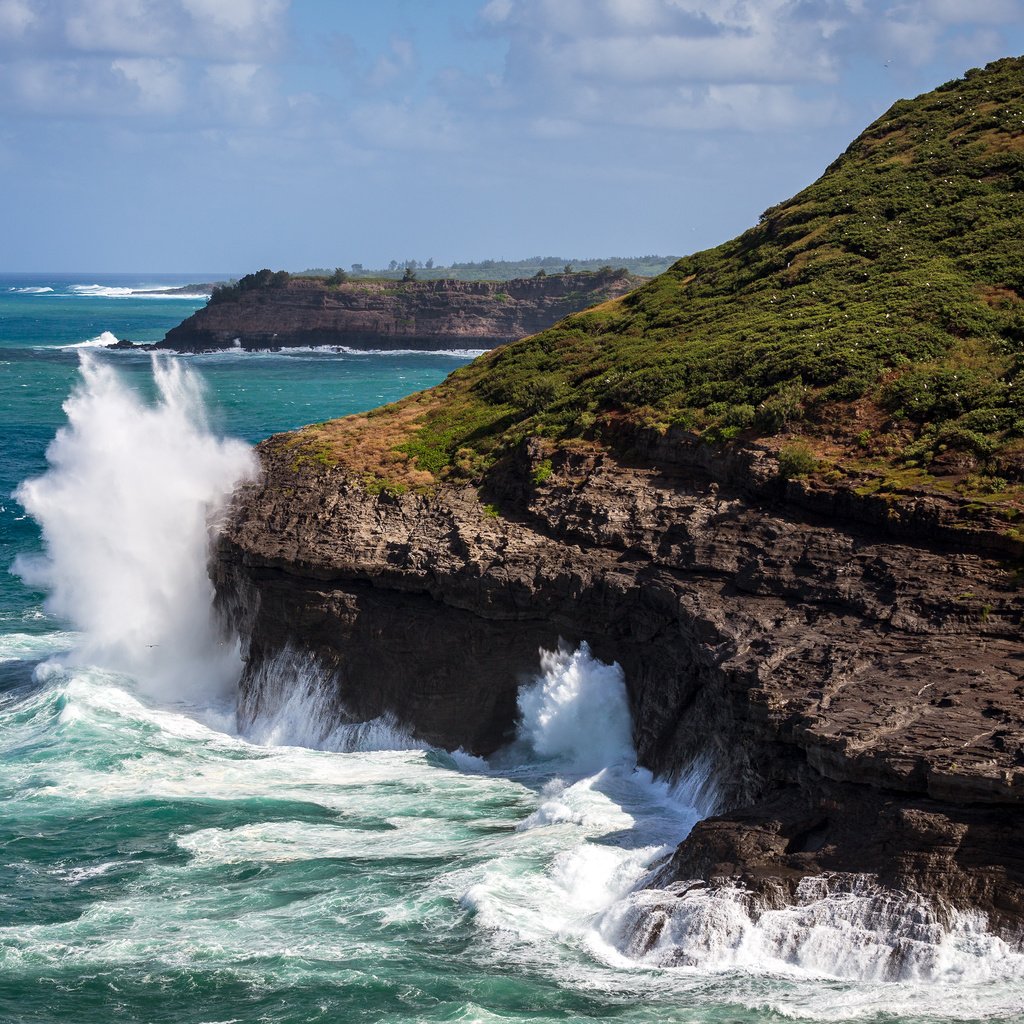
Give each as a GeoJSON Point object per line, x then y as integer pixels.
{"type": "Point", "coordinates": [392, 314]}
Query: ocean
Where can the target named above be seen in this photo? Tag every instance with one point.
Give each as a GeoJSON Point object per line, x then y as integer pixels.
{"type": "Point", "coordinates": [158, 865]}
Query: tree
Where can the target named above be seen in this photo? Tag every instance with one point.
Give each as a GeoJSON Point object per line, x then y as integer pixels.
{"type": "Point", "coordinates": [541, 273]}
{"type": "Point", "coordinates": [357, 268]}
{"type": "Point", "coordinates": [567, 269]}
{"type": "Point", "coordinates": [409, 275]}
{"type": "Point", "coordinates": [338, 277]}
{"type": "Point", "coordinates": [393, 265]}
{"type": "Point", "coordinates": [430, 263]}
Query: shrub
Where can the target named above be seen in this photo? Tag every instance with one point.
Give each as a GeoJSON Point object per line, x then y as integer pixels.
{"type": "Point", "coordinates": [741, 416]}
{"type": "Point", "coordinates": [796, 459]}
{"type": "Point", "coordinates": [543, 472]}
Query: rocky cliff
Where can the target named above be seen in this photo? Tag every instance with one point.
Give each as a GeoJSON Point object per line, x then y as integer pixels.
{"type": "Point", "coordinates": [780, 485]}
{"type": "Point", "coordinates": [858, 695]}
{"type": "Point", "coordinates": [391, 314]}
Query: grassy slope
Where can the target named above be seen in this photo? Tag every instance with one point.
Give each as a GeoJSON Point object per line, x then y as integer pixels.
{"type": "Point", "coordinates": [878, 314]}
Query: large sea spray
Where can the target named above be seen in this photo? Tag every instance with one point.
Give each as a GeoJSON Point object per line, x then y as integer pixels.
{"type": "Point", "coordinates": [126, 509]}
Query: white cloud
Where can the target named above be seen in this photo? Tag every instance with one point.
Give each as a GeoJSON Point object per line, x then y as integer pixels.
{"type": "Point", "coordinates": [158, 82]}
{"type": "Point", "coordinates": [726, 58]}
{"type": "Point", "coordinates": [666, 64]}
{"type": "Point", "coordinates": [16, 17]}
{"type": "Point", "coordinates": [248, 19]}
{"type": "Point", "coordinates": [241, 93]}
{"type": "Point", "coordinates": [680, 65]}
{"type": "Point", "coordinates": [959, 12]}
{"type": "Point", "coordinates": [118, 26]}
{"type": "Point", "coordinates": [226, 29]}
{"type": "Point", "coordinates": [399, 62]}
{"type": "Point", "coordinates": [919, 30]}
{"type": "Point", "coordinates": [154, 58]}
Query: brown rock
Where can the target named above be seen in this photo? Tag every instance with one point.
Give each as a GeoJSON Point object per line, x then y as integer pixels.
{"type": "Point", "coordinates": [375, 314]}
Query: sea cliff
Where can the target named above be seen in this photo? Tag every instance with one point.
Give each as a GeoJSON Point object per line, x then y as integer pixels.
{"type": "Point", "coordinates": [779, 485]}
{"type": "Point", "coordinates": [391, 314]}
{"type": "Point", "coordinates": [857, 694]}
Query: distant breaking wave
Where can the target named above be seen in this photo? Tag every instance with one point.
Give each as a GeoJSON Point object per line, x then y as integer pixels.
{"type": "Point", "coordinates": [30, 291]}
{"type": "Point", "coordinates": [100, 341]}
{"type": "Point", "coordinates": [341, 350]}
{"type": "Point", "coordinates": [100, 291]}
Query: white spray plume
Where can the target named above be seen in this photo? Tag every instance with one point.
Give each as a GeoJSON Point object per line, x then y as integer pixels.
{"type": "Point", "coordinates": [125, 510]}
{"type": "Point", "coordinates": [577, 711]}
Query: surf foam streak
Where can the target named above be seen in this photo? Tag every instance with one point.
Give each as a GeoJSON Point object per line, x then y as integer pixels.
{"type": "Point", "coordinates": [31, 290]}
{"type": "Point", "coordinates": [618, 823]}
{"type": "Point", "coordinates": [843, 927]}
{"type": "Point", "coordinates": [126, 508]}
{"type": "Point", "coordinates": [100, 291]}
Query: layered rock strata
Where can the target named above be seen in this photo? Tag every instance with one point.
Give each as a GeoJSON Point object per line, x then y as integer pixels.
{"type": "Point", "coordinates": [856, 682]}
{"type": "Point", "coordinates": [393, 314]}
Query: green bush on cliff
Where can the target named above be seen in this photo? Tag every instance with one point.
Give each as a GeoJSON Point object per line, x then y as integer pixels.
{"type": "Point", "coordinates": [261, 279]}
{"type": "Point", "coordinates": [795, 460]}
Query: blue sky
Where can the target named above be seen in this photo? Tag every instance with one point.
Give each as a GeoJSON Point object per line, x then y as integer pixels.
{"type": "Point", "coordinates": [225, 135]}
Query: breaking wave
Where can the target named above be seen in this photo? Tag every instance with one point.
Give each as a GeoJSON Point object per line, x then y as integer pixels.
{"type": "Point", "coordinates": [100, 341]}
{"type": "Point", "coordinates": [292, 701]}
{"type": "Point", "coordinates": [126, 509]}
{"type": "Point", "coordinates": [101, 291]}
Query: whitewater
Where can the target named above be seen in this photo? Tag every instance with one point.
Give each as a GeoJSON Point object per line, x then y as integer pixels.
{"type": "Point", "coordinates": [171, 856]}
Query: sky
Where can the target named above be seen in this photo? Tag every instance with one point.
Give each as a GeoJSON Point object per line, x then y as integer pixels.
{"type": "Point", "coordinates": [228, 135]}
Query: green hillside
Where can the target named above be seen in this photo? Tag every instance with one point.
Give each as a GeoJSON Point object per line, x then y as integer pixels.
{"type": "Point", "coordinates": [877, 315]}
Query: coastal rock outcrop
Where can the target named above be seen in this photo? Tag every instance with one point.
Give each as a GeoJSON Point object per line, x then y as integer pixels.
{"type": "Point", "coordinates": [781, 484]}
{"type": "Point", "coordinates": [858, 692]}
{"type": "Point", "coordinates": [377, 314]}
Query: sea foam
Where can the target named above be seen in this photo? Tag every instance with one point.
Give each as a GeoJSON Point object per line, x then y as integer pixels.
{"type": "Point", "coordinates": [126, 509]}
{"type": "Point", "coordinates": [292, 701]}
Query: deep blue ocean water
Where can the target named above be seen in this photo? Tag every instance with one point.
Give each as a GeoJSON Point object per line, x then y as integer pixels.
{"type": "Point", "coordinates": [156, 865]}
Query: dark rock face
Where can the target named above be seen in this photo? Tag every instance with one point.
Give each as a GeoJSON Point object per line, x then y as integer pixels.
{"type": "Point", "coordinates": [392, 314]}
{"type": "Point", "coordinates": [857, 685]}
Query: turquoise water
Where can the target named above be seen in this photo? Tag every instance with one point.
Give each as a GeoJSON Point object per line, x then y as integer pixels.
{"type": "Point", "coordinates": [157, 865]}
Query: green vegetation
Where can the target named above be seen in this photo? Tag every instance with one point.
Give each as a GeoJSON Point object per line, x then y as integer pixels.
{"type": "Point", "coordinates": [543, 471]}
{"type": "Point", "coordinates": [251, 282]}
{"type": "Point", "coordinates": [504, 270]}
{"type": "Point", "coordinates": [796, 459]}
{"type": "Point", "coordinates": [878, 313]}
